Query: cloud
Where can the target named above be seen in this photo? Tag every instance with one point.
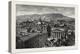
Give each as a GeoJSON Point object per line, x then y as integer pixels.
{"type": "Point", "coordinates": [32, 9]}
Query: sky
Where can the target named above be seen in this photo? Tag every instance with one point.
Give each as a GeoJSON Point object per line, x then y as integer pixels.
{"type": "Point", "coordinates": [33, 9]}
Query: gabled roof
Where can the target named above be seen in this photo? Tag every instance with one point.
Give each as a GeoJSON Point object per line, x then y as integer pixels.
{"type": "Point", "coordinates": [58, 30]}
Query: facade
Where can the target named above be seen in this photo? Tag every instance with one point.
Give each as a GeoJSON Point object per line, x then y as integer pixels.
{"type": "Point", "coordinates": [58, 34]}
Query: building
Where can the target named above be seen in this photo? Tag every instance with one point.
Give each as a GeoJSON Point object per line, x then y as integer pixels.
{"type": "Point", "coordinates": [58, 33]}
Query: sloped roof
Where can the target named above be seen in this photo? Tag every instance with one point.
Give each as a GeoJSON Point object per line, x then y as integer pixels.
{"type": "Point", "coordinates": [58, 30]}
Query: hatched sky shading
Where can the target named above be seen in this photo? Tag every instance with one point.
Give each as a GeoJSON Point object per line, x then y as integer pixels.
{"type": "Point", "coordinates": [33, 9]}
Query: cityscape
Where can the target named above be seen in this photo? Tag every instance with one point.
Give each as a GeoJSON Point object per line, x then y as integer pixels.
{"type": "Point", "coordinates": [44, 29]}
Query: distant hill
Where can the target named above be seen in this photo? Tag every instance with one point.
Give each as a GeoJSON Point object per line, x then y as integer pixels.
{"type": "Point", "coordinates": [45, 17]}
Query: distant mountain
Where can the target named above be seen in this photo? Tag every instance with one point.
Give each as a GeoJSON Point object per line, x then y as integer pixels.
{"type": "Point", "coordinates": [45, 17]}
